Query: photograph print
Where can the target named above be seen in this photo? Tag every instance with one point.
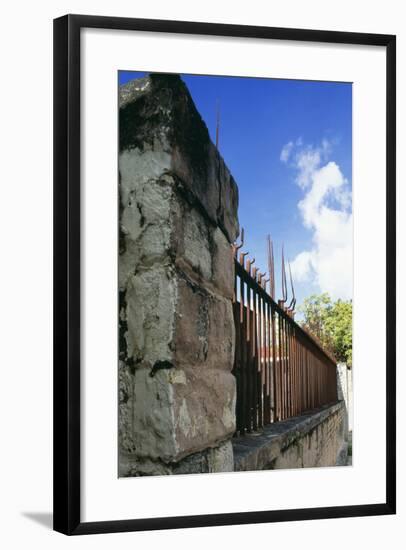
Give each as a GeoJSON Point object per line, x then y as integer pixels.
{"type": "Point", "coordinates": [235, 274]}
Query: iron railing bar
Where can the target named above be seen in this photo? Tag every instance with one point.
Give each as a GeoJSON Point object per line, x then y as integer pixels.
{"type": "Point", "coordinates": [281, 370]}
{"type": "Point", "coordinates": [242, 273]}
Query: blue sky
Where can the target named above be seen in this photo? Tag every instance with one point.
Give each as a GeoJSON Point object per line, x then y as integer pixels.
{"type": "Point", "coordinates": [301, 196]}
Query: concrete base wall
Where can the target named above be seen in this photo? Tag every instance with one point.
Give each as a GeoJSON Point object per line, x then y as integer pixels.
{"type": "Point", "coordinates": [316, 439]}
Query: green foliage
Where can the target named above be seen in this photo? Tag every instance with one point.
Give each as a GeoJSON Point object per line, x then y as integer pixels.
{"type": "Point", "coordinates": [331, 322]}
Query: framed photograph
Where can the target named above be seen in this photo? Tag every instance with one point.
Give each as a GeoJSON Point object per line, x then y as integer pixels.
{"type": "Point", "coordinates": [224, 274]}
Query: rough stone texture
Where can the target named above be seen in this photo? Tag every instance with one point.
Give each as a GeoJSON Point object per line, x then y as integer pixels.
{"type": "Point", "coordinates": [200, 339]}
{"type": "Point", "coordinates": [178, 220]}
{"type": "Point", "coordinates": [312, 440]}
{"type": "Point", "coordinates": [160, 123]}
{"type": "Point", "coordinates": [211, 460]}
{"type": "Point", "coordinates": [218, 459]}
{"type": "Point", "coordinates": [126, 393]}
{"type": "Point", "coordinates": [176, 411]}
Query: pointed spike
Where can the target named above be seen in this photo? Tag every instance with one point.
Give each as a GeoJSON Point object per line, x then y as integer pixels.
{"type": "Point", "coordinates": [236, 246]}
{"type": "Point", "coordinates": [286, 281]}
{"type": "Point", "coordinates": [273, 272]}
{"type": "Point", "coordinates": [293, 301]}
{"type": "Point", "coordinates": [284, 289]}
{"type": "Point", "coordinates": [250, 264]}
{"type": "Point", "coordinates": [242, 258]}
{"type": "Point", "coordinates": [271, 268]}
{"type": "Point", "coordinates": [282, 272]}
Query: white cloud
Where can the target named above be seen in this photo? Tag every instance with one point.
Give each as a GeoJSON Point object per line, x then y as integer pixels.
{"type": "Point", "coordinates": [325, 210]}
{"type": "Point", "coordinates": [302, 267]}
{"type": "Point", "coordinates": [306, 162]}
{"type": "Point", "coordinates": [286, 150]}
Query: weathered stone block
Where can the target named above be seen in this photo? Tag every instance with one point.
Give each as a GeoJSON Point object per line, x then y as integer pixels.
{"type": "Point", "coordinates": [153, 416]}
{"type": "Point", "coordinates": [146, 231]}
{"type": "Point", "coordinates": [200, 339]}
{"type": "Point", "coordinates": [157, 115]}
{"type": "Point", "coordinates": [126, 394]}
{"type": "Point", "coordinates": [221, 334]}
{"type": "Point", "coordinates": [156, 225]}
{"type": "Point", "coordinates": [195, 243]}
{"type": "Point", "coordinates": [151, 300]}
{"type": "Point", "coordinates": [228, 201]}
{"type": "Point", "coordinates": [191, 335]}
{"type": "Point", "coordinates": [217, 459]}
{"type": "Point", "coordinates": [170, 318]}
{"type": "Point", "coordinates": [212, 459]}
{"type": "Point", "coordinates": [178, 412]}
{"type": "Point", "coordinates": [204, 408]}
{"type": "Point", "coordinates": [202, 250]}
{"type": "Point", "coordinates": [223, 264]}
{"type": "Point", "coordinates": [178, 218]}
{"type": "Point", "coordinates": [221, 458]}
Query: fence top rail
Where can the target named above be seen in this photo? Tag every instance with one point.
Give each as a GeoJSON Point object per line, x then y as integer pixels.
{"type": "Point", "coordinates": [308, 336]}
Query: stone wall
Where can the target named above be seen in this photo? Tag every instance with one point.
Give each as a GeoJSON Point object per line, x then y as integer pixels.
{"type": "Point", "coordinates": [178, 218]}
{"type": "Point", "coordinates": [315, 439]}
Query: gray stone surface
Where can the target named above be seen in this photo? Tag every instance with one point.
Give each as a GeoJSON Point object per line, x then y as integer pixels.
{"type": "Point", "coordinates": [211, 460]}
{"type": "Point", "coordinates": [313, 439]}
{"type": "Point", "coordinates": [218, 459]}
{"type": "Point", "coordinates": [161, 130]}
{"type": "Point", "coordinates": [178, 219]}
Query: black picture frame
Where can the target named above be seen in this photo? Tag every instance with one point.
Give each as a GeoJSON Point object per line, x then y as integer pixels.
{"type": "Point", "coordinates": [67, 295]}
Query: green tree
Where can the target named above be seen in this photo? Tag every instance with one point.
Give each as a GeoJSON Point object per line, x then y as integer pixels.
{"type": "Point", "coordinates": [331, 323]}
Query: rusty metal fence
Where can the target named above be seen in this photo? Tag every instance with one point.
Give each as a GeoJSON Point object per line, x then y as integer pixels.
{"type": "Point", "coordinates": [280, 368]}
